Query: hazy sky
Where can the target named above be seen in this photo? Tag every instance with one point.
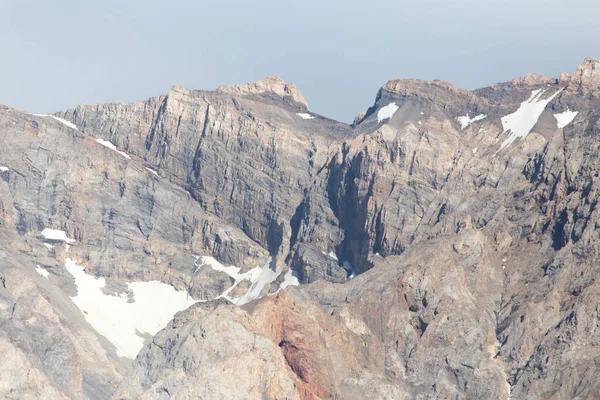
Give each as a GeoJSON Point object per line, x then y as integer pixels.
{"type": "Point", "coordinates": [57, 54]}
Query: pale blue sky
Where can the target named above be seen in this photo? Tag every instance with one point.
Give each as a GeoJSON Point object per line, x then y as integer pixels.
{"type": "Point", "coordinates": [57, 54]}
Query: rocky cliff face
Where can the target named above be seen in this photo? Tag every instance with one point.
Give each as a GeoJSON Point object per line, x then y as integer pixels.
{"type": "Point", "coordinates": [448, 238]}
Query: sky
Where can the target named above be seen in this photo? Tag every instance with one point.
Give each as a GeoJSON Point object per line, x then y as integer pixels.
{"type": "Point", "coordinates": [57, 54]}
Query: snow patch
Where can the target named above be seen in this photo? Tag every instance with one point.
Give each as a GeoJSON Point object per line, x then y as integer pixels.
{"type": "Point", "coordinates": [465, 121]}
{"type": "Point", "coordinates": [111, 146]}
{"type": "Point", "coordinates": [289, 279]}
{"type": "Point", "coordinates": [42, 272]}
{"type": "Point", "coordinates": [349, 268]}
{"type": "Point", "coordinates": [386, 112]}
{"type": "Point", "coordinates": [65, 122]}
{"type": "Point", "coordinates": [259, 277]}
{"type": "Point", "coordinates": [565, 118]}
{"type": "Point", "coordinates": [152, 171]}
{"type": "Point", "coordinates": [62, 121]}
{"type": "Point", "coordinates": [120, 321]}
{"type": "Point", "coordinates": [522, 121]}
{"type": "Point", "coordinates": [55, 234]}
{"type": "Point", "coordinates": [305, 116]}
{"type": "Point", "coordinates": [3, 168]}
{"type": "Point", "coordinates": [331, 255]}
{"type": "Point", "coordinates": [49, 246]}
{"type": "Point", "coordinates": [475, 150]}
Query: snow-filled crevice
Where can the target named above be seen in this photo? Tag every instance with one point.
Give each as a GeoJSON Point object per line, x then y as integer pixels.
{"type": "Point", "coordinates": [259, 278]}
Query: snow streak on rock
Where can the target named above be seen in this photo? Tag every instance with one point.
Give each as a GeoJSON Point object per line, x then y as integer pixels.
{"type": "Point", "coordinates": [62, 121]}
{"type": "Point", "coordinates": [111, 146]}
{"type": "Point", "coordinates": [152, 171]}
{"type": "Point", "coordinates": [42, 272]}
{"type": "Point", "coordinates": [522, 121]}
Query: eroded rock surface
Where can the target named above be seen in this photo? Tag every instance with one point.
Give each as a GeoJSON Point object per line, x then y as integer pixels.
{"type": "Point", "coordinates": [447, 240]}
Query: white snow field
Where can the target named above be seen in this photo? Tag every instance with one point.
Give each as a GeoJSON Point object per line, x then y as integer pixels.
{"type": "Point", "coordinates": [522, 121]}
{"type": "Point", "coordinates": [289, 279]}
{"type": "Point", "coordinates": [386, 112]}
{"type": "Point", "coordinates": [565, 118]}
{"type": "Point", "coordinates": [154, 303]}
{"type": "Point", "coordinates": [305, 116]}
{"type": "Point", "coordinates": [55, 234]}
{"type": "Point", "coordinates": [465, 120]}
{"type": "Point", "coordinates": [114, 317]}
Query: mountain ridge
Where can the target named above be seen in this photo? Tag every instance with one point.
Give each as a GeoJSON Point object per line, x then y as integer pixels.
{"type": "Point", "coordinates": [279, 86]}
{"type": "Point", "coordinates": [446, 244]}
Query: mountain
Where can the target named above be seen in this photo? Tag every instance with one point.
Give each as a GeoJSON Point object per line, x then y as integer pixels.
{"type": "Point", "coordinates": [232, 244]}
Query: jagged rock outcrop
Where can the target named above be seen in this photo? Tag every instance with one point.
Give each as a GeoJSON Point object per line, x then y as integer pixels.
{"type": "Point", "coordinates": [586, 80]}
{"type": "Point", "coordinates": [176, 363]}
{"type": "Point", "coordinates": [533, 79]}
{"type": "Point", "coordinates": [372, 337]}
{"type": "Point", "coordinates": [269, 85]}
{"type": "Point", "coordinates": [244, 157]}
{"type": "Point", "coordinates": [448, 240]}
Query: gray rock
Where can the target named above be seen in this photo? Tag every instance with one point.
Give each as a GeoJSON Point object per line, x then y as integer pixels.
{"type": "Point", "coordinates": [476, 264]}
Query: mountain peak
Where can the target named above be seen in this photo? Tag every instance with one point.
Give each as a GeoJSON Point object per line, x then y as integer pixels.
{"type": "Point", "coordinates": [589, 60]}
{"type": "Point", "coordinates": [412, 85]}
{"type": "Point", "coordinates": [588, 72]}
{"type": "Point", "coordinates": [587, 77]}
{"type": "Point", "coordinates": [532, 79]}
{"type": "Point", "coordinates": [273, 84]}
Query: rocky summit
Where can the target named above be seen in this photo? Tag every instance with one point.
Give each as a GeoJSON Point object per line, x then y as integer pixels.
{"type": "Point", "coordinates": [232, 244]}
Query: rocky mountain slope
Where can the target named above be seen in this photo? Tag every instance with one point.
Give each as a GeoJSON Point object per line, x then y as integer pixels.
{"type": "Point", "coordinates": [232, 244]}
